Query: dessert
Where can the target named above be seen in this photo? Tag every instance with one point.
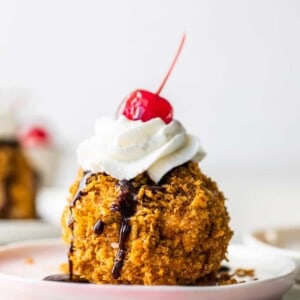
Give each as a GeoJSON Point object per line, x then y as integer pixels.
{"type": "Point", "coordinates": [18, 180]}
{"type": "Point", "coordinates": [141, 211]}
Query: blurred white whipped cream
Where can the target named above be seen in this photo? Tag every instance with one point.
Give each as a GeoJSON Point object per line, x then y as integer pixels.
{"type": "Point", "coordinates": [123, 148]}
{"type": "Point", "coordinates": [8, 126]}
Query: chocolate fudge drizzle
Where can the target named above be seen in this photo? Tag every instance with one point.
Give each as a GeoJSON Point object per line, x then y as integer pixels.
{"type": "Point", "coordinates": [4, 210]}
{"type": "Point", "coordinates": [125, 204]}
{"type": "Point", "coordinates": [224, 268]}
{"type": "Point", "coordinates": [9, 143]}
{"type": "Point", "coordinates": [80, 192]}
{"type": "Point", "coordinates": [99, 227]}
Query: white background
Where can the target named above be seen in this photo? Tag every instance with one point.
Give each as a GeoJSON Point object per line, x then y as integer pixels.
{"type": "Point", "coordinates": [236, 84]}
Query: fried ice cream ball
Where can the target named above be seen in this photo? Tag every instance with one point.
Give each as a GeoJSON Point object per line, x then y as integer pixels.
{"type": "Point", "coordinates": [177, 233]}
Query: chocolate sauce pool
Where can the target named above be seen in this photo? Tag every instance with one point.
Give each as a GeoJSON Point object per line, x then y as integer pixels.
{"type": "Point", "coordinates": [65, 278]}
{"type": "Point", "coordinates": [214, 279]}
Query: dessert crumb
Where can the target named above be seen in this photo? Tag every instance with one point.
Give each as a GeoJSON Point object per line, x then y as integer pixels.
{"type": "Point", "coordinates": [244, 272]}
{"type": "Point", "coordinates": [29, 261]}
{"type": "Point", "coordinates": [114, 245]}
{"type": "Point", "coordinates": [226, 276]}
{"type": "Point", "coordinates": [64, 268]}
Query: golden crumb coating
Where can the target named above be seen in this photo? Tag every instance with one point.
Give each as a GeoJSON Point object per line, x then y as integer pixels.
{"type": "Point", "coordinates": [179, 231]}
{"type": "Point", "coordinates": [18, 184]}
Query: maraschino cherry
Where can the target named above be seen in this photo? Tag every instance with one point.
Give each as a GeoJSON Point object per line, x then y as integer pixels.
{"type": "Point", "coordinates": [144, 105]}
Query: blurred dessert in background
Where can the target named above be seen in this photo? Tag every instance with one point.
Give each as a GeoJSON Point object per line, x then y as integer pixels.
{"type": "Point", "coordinates": [39, 148]}
{"type": "Point", "coordinates": [18, 178]}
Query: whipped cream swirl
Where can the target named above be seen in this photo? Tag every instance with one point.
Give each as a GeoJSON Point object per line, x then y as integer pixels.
{"type": "Point", "coordinates": [8, 127]}
{"type": "Point", "coordinates": [123, 148]}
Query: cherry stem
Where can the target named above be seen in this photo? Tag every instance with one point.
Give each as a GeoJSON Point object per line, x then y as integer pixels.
{"type": "Point", "coordinates": [172, 65]}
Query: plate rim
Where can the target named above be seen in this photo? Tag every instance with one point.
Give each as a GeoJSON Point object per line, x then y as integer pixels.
{"type": "Point", "coordinates": [251, 240]}
{"type": "Point", "coordinates": [56, 241]}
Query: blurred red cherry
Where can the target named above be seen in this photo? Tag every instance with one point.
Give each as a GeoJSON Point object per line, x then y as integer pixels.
{"type": "Point", "coordinates": [35, 136]}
